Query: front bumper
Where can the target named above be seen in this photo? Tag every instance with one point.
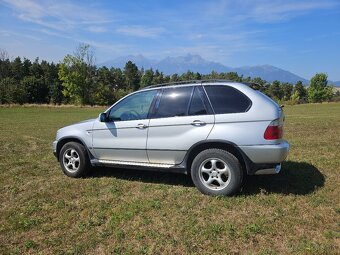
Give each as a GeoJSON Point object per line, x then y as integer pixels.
{"type": "Point", "coordinates": [54, 148]}
{"type": "Point", "coordinates": [267, 154]}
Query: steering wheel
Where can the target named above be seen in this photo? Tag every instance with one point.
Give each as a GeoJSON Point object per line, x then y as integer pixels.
{"type": "Point", "coordinates": [130, 115]}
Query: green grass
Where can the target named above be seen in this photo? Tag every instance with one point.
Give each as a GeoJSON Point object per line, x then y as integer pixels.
{"type": "Point", "coordinates": [135, 212]}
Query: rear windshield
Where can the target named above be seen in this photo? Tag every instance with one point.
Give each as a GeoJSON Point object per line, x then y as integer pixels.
{"type": "Point", "coordinates": [226, 99]}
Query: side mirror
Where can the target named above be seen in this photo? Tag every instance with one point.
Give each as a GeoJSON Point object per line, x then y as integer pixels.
{"type": "Point", "coordinates": [103, 117]}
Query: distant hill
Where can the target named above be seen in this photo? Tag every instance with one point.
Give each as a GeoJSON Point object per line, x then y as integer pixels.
{"type": "Point", "coordinates": [139, 60]}
{"type": "Point", "coordinates": [170, 65]}
{"type": "Point", "coordinates": [335, 83]}
{"type": "Point", "coordinates": [196, 63]}
{"type": "Point", "coordinates": [269, 73]}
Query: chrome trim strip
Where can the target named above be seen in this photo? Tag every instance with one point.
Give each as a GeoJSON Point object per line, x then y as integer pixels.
{"type": "Point", "coordinates": [133, 149]}
{"type": "Point", "coordinates": [128, 163]}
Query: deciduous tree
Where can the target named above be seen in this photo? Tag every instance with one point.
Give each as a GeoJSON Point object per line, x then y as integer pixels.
{"type": "Point", "coordinates": [76, 73]}
{"type": "Point", "coordinates": [318, 90]}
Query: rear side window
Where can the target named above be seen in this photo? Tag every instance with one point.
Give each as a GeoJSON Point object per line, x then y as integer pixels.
{"type": "Point", "coordinates": [174, 102]}
{"type": "Point", "coordinates": [225, 99]}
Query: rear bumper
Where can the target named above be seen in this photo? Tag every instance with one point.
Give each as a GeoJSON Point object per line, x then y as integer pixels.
{"type": "Point", "coordinates": [267, 154]}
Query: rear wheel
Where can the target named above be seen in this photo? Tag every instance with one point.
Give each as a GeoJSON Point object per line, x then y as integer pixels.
{"type": "Point", "coordinates": [74, 160]}
{"type": "Point", "coordinates": [216, 172]}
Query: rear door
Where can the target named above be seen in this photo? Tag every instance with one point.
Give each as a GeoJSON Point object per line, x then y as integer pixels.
{"type": "Point", "coordinates": [181, 118]}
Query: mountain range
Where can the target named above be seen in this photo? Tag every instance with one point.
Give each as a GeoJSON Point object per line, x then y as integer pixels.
{"type": "Point", "coordinates": [335, 83]}
{"type": "Point", "coordinates": [196, 63]}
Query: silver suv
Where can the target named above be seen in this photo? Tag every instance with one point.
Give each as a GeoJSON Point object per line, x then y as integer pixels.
{"type": "Point", "coordinates": [217, 131]}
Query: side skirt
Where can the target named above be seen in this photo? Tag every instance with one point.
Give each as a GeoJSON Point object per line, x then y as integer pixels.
{"type": "Point", "coordinates": [141, 166]}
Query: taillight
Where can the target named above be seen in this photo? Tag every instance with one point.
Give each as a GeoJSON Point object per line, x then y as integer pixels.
{"type": "Point", "coordinates": [274, 130]}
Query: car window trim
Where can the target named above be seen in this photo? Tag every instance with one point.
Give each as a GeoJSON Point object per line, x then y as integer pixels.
{"type": "Point", "coordinates": [190, 100]}
{"type": "Point", "coordinates": [208, 100]}
{"type": "Point", "coordinates": [154, 106]}
{"type": "Point", "coordinates": [200, 97]}
{"type": "Point", "coordinates": [205, 100]}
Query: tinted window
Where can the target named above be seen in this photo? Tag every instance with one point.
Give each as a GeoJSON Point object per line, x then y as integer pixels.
{"type": "Point", "coordinates": [134, 107]}
{"type": "Point", "coordinates": [197, 105]}
{"type": "Point", "coordinates": [174, 102]}
{"type": "Point", "coordinates": [225, 99]}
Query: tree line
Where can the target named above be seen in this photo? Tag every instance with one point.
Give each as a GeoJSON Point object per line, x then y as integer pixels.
{"type": "Point", "coordinates": [77, 80]}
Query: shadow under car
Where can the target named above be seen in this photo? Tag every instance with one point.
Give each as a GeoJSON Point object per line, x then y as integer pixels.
{"type": "Point", "coordinates": [297, 178]}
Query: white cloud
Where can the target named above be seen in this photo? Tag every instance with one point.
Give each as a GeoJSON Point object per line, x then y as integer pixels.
{"type": "Point", "coordinates": [281, 10]}
{"type": "Point", "coordinates": [113, 48]}
{"type": "Point", "coordinates": [97, 29]}
{"type": "Point", "coordinates": [140, 31]}
{"type": "Point", "coordinates": [110, 48]}
{"type": "Point", "coordinates": [58, 15]}
{"type": "Point", "coordinates": [15, 34]}
{"type": "Point", "coordinates": [264, 11]}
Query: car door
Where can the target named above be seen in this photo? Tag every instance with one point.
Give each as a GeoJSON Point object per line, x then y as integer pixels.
{"type": "Point", "coordinates": [181, 118]}
{"type": "Point", "coordinates": [123, 136]}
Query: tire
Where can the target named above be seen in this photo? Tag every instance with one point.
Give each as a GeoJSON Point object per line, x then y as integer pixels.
{"type": "Point", "coordinates": [216, 172]}
{"type": "Point", "coordinates": [74, 160]}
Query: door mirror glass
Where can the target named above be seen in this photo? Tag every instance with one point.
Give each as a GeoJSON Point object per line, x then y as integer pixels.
{"type": "Point", "coordinates": [103, 117]}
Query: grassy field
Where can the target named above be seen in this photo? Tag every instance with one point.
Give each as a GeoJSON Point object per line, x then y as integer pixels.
{"type": "Point", "coordinates": [135, 212]}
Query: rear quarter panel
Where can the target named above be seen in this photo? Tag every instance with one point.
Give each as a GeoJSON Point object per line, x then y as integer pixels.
{"type": "Point", "coordinates": [247, 128]}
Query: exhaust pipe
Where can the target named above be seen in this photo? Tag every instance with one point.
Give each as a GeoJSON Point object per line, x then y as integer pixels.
{"type": "Point", "coordinates": [274, 170]}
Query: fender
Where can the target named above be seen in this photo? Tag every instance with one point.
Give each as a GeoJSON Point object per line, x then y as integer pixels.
{"type": "Point", "coordinates": [61, 142]}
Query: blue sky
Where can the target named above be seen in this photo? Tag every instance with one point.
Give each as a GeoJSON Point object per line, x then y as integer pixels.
{"type": "Point", "coordinates": [300, 36]}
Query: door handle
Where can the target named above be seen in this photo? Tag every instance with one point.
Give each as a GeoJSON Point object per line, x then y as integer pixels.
{"type": "Point", "coordinates": [198, 123]}
{"type": "Point", "coordinates": [141, 126]}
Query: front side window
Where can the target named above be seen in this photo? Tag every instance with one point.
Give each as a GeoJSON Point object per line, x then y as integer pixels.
{"type": "Point", "coordinates": [134, 107]}
{"type": "Point", "coordinates": [173, 102]}
{"type": "Point", "coordinates": [225, 99]}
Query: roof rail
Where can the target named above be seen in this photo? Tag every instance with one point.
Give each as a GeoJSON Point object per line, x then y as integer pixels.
{"type": "Point", "coordinates": [251, 83]}
{"type": "Point", "coordinates": [186, 82]}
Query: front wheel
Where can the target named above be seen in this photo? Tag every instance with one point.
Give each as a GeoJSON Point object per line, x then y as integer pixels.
{"type": "Point", "coordinates": [74, 160]}
{"type": "Point", "coordinates": [216, 172]}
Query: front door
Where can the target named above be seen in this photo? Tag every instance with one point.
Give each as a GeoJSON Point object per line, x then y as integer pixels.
{"type": "Point", "coordinates": [123, 136]}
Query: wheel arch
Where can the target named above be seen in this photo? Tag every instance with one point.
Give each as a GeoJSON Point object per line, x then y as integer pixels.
{"type": "Point", "coordinates": [68, 139]}
{"type": "Point", "coordinates": [218, 144]}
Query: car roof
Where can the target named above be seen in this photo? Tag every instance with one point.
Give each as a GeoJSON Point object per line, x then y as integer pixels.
{"type": "Point", "coordinates": [195, 83]}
